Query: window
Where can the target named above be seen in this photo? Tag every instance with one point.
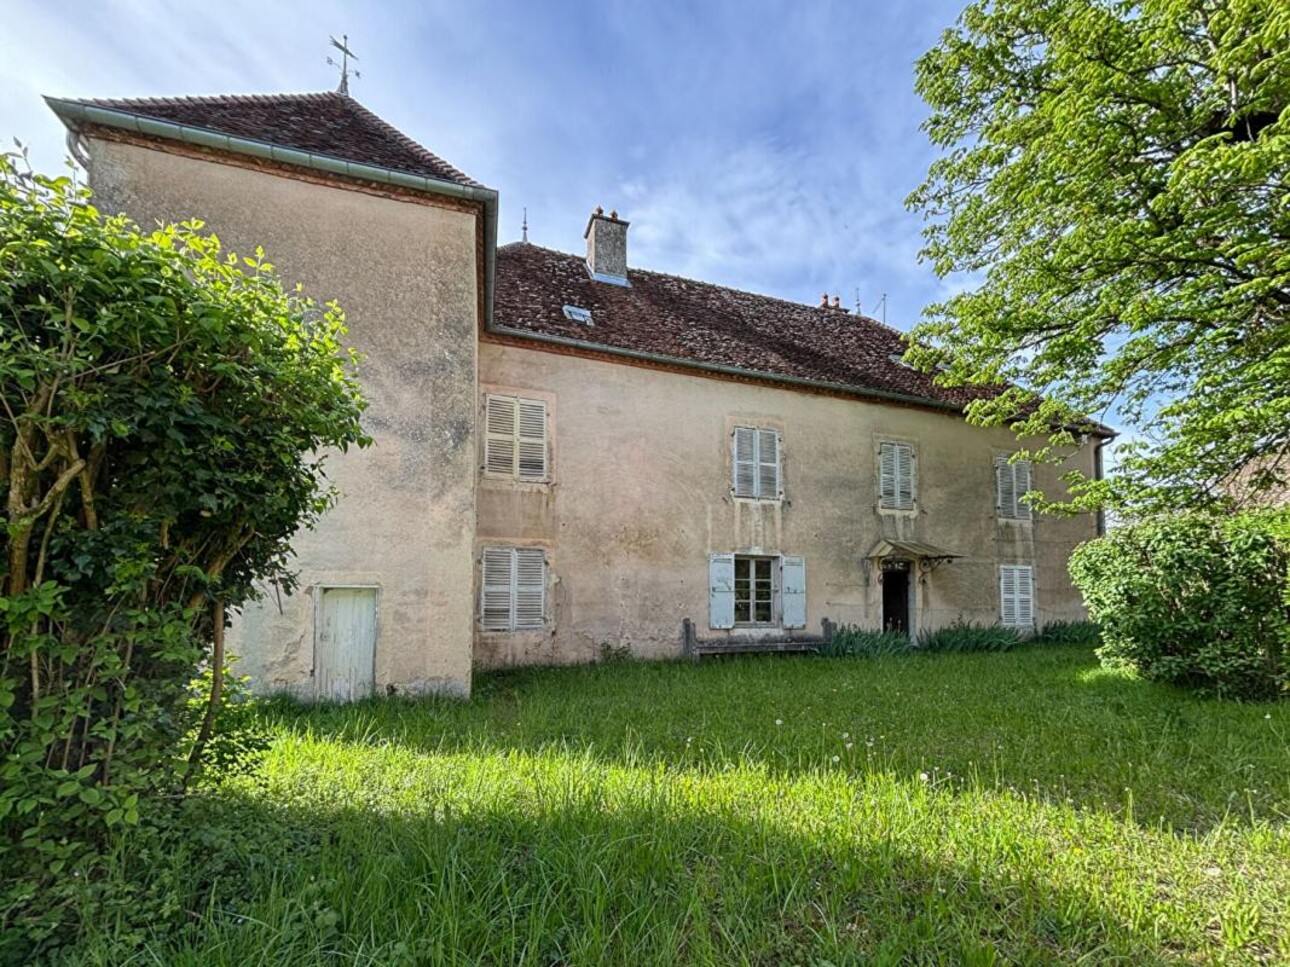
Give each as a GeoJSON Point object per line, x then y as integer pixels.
{"type": "Point", "coordinates": [577, 314]}
{"type": "Point", "coordinates": [1017, 596]}
{"type": "Point", "coordinates": [756, 463]}
{"type": "Point", "coordinates": [515, 438]}
{"type": "Point", "coordinates": [1012, 482]}
{"type": "Point", "coordinates": [756, 590]}
{"type": "Point", "coordinates": [896, 476]}
{"type": "Point", "coordinates": [513, 595]}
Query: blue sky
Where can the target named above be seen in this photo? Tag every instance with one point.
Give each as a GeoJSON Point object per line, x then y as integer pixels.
{"type": "Point", "coordinates": [764, 146]}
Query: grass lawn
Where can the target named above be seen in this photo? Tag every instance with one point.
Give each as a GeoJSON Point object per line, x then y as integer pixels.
{"type": "Point", "coordinates": [969, 809]}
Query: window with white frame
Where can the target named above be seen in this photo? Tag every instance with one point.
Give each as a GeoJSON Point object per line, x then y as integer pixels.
{"type": "Point", "coordinates": [513, 589]}
{"type": "Point", "coordinates": [1012, 482]}
{"type": "Point", "coordinates": [895, 476]}
{"type": "Point", "coordinates": [752, 590]}
{"type": "Point", "coordinates": [1017, 596]}
{"type": "Point", "coordinates": [755, 591]}
{"type": "Point", "coordinates": [515, 437]}
{"type": "Point", "coordinates": [757, 463]}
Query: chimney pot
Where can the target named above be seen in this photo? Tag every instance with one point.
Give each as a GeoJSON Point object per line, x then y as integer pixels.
{"type": "Point", "coordinates": [824, 300]}
{"type": "Point", "coordinates": [837, 302]}
{"type": "Point", "coordinates": [607, 247]}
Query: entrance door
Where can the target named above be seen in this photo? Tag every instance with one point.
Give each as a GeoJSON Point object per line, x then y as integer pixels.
{"type": "Point", "coordinates": [345, 644]}
{"type": "Point", "coordinates": [895, 596]}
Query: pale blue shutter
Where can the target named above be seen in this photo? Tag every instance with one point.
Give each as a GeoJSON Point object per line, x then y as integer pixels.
{"type": "Point", "coordinates": [721, 590]}
{"type": "Point", "coordinates": [792, 584]}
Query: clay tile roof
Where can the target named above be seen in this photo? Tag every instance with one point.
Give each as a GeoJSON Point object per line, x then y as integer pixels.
{"type": "Point", "coordinates": [699, 322]}
{"type": "Point", "coordinates": [323, 123]}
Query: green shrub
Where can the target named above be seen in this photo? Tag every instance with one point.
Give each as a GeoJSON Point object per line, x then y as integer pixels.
{"type": "Point", "coordinates": [851, 642]}
{"type": "Point", "coordinates": [1068, 633]}
{"type": "Point", "coordinates": [165, 408]}
{"type": "Point", "coordinates": [1195, 600]}
{"type": "Point", "coordinates": [969, 636]}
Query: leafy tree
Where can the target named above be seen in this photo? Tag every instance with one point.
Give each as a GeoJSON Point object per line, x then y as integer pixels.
{"type": "Point", "coordinates": [163, 412]}
{"type": "Point", "coordinates": [1115, 176]}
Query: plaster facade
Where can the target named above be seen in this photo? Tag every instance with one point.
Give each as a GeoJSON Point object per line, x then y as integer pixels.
{"type": "Point", "coordinates": [640, 495]}
{"type": "Point", "coordinates": [638, 492]}
{"type": "Point", "coordinates": [406, 273]}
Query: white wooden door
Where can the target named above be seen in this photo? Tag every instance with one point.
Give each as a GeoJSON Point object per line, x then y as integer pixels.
{"type": "Point", "coordinates": [345, 644]}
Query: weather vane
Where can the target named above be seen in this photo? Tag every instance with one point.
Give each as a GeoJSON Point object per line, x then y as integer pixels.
{"type": "Point", "coordinates": [345, 54]}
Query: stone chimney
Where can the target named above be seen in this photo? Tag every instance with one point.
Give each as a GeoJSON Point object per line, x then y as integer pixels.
{"type": "Point", "coordinates": [606, 237]}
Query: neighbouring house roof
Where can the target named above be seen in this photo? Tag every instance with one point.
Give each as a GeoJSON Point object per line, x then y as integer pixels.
{"type": "Point", "coordinates": [325, 123]}
{"type": "Point", "coordinates": [693, 322]}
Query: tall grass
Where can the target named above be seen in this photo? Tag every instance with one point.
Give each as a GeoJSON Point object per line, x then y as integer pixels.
{"type": "Point", "coordinates": [951, 808]}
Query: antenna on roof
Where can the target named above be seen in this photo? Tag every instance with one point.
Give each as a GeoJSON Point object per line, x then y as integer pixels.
{"type": "Point", "coordinates": [859, 304]}
{"type": "Point", "coordinates": [345, 54]}
{"type": "Point", "coordinates": [525, 227]}
{"type": "Point", "coordinates": [882, 304]}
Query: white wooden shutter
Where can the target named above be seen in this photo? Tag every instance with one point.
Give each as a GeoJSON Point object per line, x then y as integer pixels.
{"type": "Point", "coordinates": [745, 461]}
{"type": "Point", "coordinates": [768, 485]}
{"type": "Point", "coordinates": [792, 583]}
{"type": "Point", "coordinates": [531, 439]}
{"type": "Point", "coordinates": [530, 587]}
{"type": "Point", "coordinates": [1021, 486]}
{"type": "Point", "coordinates": [1026, 597]}
{"type": "Point", "coordinates": [1012, 483]}
{"type": "Point", "coordinates": [896, 476]}
{"type": "Point", "coordinates": [904, 477]}
{"type": "Point", "coordinates": [887, 475]}
{"type": "Point", "coordinates": [1017, 596]}
{"type": "Point", "coordinates": [721, 590]}
{"type": "Point", "coordinates": [496, 598]}
{"type": "Point", "coordinates": [501, 421]}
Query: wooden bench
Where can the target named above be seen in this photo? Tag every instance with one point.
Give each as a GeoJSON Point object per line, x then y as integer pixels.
{"type": "Point", "coordinates": [695, 648]}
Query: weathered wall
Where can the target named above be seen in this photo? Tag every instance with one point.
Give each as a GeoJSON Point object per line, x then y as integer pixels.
{"type": "Point", "coordinates": [405, 273]}
{"type": "Point", "coordinates": [640, 495]}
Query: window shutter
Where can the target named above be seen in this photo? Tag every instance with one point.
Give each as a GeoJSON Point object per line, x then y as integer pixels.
{"type": "Point", "coordinates": [896, 476]}
{"type": "Point", "coordinates": [1021, 486]}
{"type": "Point", "coordinates": [793, 591]}
{"type": "Point", "coordinates": [1005, 488]}
{"type": "Point", "coordinates": [745, 461]}
{"type": "Point", "coordinates": [495, 604]}
{"type": "Point", "coordinates": [499, 437]}
{"type": "Point", "coordinates": [1013, 483]}
{"type": "Point", "coordinates": [1025, 597]}
{"type": "Point", "coordinates": [721, 590]}
{"type": "Point", "coordinates": [904, 477]}
{"type": "Point", "coordinates": [530, 587]}
{"type": "Point", "coordinates": [768, 485]}
{"type": "Point", "coordinates": [1017, 596]}
{"type": "Point", "coordinates": [532, 439]}
{"type": "Point", "coordinates": [887, 475]}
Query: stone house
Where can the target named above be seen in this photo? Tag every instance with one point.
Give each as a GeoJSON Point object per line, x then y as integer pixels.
{"type": "Point", "coordinates": [573, 454]}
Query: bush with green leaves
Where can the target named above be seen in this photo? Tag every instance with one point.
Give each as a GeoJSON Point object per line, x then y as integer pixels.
{"type": "Point", "coordinates": [969, 636]}
{"type": "Point", "coordinates": [850, 641]}
{"type": "Point", "coordinates": [166, 407]}
{"type": "Point", "coordinates": [1195, 600]}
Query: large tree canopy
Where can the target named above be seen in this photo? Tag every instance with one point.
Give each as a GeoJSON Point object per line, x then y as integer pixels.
{"type": "Point", "coordinates": [1115, 176]}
